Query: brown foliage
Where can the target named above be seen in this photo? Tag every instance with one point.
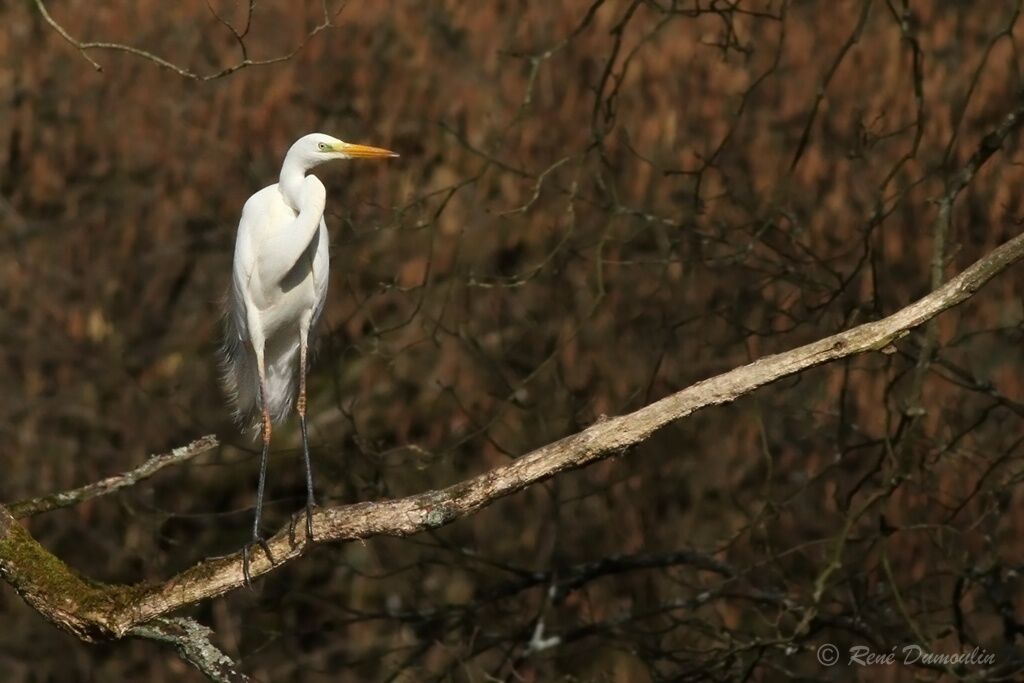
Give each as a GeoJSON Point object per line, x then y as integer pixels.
{"type": "Point", "coordinates": [592, 209]}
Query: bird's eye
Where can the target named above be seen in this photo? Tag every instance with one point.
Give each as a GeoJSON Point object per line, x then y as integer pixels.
{"type": "Point", "coordinates": [322, 146]}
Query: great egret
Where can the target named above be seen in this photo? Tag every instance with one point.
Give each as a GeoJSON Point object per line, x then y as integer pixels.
{"type": "Point", "coordinates": [277, 294]}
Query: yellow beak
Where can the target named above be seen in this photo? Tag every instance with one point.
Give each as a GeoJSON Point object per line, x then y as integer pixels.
{"type": "Point", "coordinates": [363, 151]}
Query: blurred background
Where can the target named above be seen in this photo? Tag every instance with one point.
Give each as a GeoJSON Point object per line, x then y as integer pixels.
{"type": "Point", "coordinates": [598, 202]}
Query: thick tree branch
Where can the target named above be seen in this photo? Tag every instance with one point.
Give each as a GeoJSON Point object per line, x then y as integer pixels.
{"type": "Point", "coordinates": [155, 463]}
{"type": "Point", "coordinates": [94, 611]}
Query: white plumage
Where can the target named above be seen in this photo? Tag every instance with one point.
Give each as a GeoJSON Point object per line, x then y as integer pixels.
{"type": "Point", "coordinates": [277, 294]}
{"type": "Point", "coordinates": [278, 289]}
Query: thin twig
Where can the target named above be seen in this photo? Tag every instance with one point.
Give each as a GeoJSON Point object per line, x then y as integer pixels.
{"type": "Point", "coordinates": [155, 463]}
{"type": "Point", "coordinates": [84, 47]}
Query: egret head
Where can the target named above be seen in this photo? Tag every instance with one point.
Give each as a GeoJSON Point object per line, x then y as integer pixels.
{"type": "Point", "coordinates": [316, 148]}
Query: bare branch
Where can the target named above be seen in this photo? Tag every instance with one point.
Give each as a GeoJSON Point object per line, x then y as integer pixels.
{"type": "Point", "coordinates": [155, 463]}
{"type": "Point", "coordinates": [93, 611]}
{"type": "Point", "coordinates": [955, 184]}
{"type": "Point", "coordinates": [192, 641]}
{"type": "Point", "coordinates": [823, 86]}
{"type": "Point", "coordinates": [185, 72]}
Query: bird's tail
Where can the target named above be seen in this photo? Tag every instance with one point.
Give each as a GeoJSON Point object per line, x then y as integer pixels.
{"type": "Point", "coordinates": [241, 381]}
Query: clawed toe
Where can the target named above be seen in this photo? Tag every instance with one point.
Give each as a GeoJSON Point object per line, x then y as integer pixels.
{"type": "Point", "coordinates": [246, 561]}
{"type": "Point", "coordinates": [293, 523]}
{"type": "Point", "coordinates": [309, 520]}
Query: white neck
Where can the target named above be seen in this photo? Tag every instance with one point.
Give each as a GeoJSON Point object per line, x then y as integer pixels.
{"type": "Point", "coordinates": [293, 172]}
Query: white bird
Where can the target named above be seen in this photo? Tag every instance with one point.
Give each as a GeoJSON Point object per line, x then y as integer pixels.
{"type": "Point", "coordinates": [277, 294]}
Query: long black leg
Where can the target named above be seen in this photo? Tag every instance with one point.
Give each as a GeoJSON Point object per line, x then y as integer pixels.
{"type": "Point", "coordinates": [264, 457]}
{"type": "Point", "coordinates": [257, 539]}
{"type": "Point", "coordinates": [301, 407]}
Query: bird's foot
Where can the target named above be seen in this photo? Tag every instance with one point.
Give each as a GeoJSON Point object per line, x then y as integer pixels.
{"type": "Point", "coordinates": [308, 513]}
{"type": "Point", "coordinates": [256, 541]}
{"type": "Point", "coordinates": [310, 504]}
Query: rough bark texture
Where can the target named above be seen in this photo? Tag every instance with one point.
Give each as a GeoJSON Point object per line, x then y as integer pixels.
{"type": "Point", "coordinates": [93, 611]}
{"type": "Point", "coordinates": [192, 641]}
